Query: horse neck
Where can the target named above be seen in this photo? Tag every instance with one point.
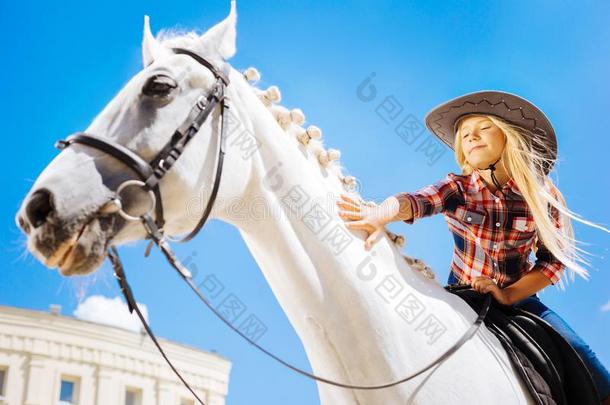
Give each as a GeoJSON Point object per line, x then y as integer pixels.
{"type": "Point", "coordinates": [309, 258]}
{"type": "Point", "coordinates": [363, 317]}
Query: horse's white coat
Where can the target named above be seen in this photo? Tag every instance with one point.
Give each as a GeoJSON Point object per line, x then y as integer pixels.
{"type": "Point", "coordinates": [344, 302]}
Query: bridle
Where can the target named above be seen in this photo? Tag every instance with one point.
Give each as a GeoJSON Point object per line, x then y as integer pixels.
{"type": "Point", "coordinates": [151, 173]}
{"type": "Point", "coordinates": [149, 178]}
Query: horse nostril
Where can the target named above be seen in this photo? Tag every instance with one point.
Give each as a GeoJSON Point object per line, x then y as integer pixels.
{"type": "Point", "coordinates": [23, 224]}
{"type": "Point", "coordinates": [39, 207]}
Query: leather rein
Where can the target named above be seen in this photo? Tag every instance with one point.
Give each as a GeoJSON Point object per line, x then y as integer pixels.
{"type": "Point", "coordinates": [149, 176]}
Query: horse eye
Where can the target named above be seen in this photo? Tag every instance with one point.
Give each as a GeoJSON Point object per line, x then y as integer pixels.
{"type": "Point", "coordinates": [159, 86]}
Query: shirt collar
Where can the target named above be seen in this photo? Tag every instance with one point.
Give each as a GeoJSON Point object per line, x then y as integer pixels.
{"type": "Point", "coordinates": [477, 183]}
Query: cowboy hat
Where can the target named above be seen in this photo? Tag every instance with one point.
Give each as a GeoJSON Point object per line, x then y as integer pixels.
{"type": "Point", "coordinates": [442, 120]}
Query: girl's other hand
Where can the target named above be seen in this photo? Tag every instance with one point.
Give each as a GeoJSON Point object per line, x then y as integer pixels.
{"type": "Point", "coordinates": [371, 218]}
{"type": "Point", "coordinates": [485, 284]}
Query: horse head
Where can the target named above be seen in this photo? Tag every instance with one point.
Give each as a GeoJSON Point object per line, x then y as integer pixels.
{"type": "Point", "coordinates": [66, 214]}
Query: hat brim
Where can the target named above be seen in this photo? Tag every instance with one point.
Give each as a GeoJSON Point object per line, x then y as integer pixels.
{"type": "Point", "coordinates": [442, 119]}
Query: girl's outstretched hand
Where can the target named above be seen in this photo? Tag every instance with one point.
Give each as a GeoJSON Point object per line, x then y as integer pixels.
{"type": "Point", "coordinates": [371, 218]}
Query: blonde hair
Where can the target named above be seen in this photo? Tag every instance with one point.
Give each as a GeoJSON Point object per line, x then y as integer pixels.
{"type": "Point", "coordinates": [525, 163]}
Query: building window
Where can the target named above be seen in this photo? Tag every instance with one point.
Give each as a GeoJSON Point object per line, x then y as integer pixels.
{"type": "Point", "coordinates": [133, 396]}
{"type": "Point", "coordinates": [68, 391]}
{"type": "Point", "coordinates": [2, 382]}
{"type": "Point", "coordinates": [185, 401]}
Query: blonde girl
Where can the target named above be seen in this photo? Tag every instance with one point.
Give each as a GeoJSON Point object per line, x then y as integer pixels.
{"type": "Point", "coordinates": [501, 207]}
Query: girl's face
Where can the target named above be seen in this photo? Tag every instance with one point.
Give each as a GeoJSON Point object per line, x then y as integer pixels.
{"type": "Point", "coordinates": [482, 141]}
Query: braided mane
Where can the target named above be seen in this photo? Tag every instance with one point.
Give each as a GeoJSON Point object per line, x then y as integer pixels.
{"type": "Point", "coordinates": [292, 121]}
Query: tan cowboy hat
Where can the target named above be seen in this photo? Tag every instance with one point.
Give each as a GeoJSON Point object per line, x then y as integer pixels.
{"type": "Point", "coordinates": [442, 120]}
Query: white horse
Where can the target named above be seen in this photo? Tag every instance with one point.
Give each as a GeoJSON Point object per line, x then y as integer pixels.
{"type": "Point", "coordinates": [364, 318]}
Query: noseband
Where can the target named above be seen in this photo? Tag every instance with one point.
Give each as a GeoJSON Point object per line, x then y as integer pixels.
{"type": "Point", "coordinates": [149, 177]}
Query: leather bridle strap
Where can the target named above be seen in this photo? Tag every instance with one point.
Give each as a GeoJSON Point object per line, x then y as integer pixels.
{"type": "Point", "coordinates": [113, 255]}
{"type": "Point", "coordinates": [121, 153]}
{"type": "Point", "coordinates": [152, 172]}
{"type": "Point", "coordinates": [174, 148]}
{"type": "Point", "coordinates": [217, 74]}
{"type": "Point", "coordinates": [217, 176]}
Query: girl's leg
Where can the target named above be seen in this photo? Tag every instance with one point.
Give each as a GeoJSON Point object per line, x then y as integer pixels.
{"type": "Point", "coordinates": [600, 374]}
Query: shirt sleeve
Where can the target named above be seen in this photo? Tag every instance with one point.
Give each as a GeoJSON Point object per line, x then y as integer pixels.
{"type": "Point", "coordinates": [433, 199]}
{"type": "Point", "coordinates": [546, 262]}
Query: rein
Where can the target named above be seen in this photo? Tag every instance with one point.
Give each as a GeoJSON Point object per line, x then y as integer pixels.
{"type": "Point", "coordinates": [149, 177]}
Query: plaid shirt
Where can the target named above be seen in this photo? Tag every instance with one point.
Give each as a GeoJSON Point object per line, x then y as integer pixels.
{"type": "Point", "coordinates": [493, 236]}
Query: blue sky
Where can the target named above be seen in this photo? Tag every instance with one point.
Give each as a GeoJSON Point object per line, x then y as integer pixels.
{"type": "Point", "coordinates": [63, 62]}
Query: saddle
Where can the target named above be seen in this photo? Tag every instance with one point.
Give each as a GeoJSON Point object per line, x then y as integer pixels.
{"type": "Point", "coordinates": [550, 367]}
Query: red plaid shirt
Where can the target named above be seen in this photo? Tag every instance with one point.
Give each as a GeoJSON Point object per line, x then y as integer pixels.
{"type": "Point", "coordinates": [493, 236]}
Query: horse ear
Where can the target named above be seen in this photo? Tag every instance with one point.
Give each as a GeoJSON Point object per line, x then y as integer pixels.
{"type": "Point", "coordinates": [150, 46]}
{"type": "Point", "coordinates": [222, 35]}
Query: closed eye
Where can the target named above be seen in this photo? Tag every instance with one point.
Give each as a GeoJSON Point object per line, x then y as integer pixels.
{"type": "Point", "coordinates": [465, 135]}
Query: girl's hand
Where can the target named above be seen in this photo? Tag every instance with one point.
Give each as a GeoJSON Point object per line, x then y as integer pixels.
{"type": "Point", "coordinates": [371, 218]}
{"type": "Point", "coordinates": [484, 284]}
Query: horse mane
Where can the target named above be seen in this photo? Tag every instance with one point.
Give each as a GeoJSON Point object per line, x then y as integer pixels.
{"type": "Point", "coordinates": [292, 121]}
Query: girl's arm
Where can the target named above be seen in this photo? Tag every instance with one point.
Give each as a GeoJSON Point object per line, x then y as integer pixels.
{"type": "Point", "coordinates": [430, 200]}
{"type": "Point", "coordinates": [530, 283]}
{"type": "Point", "coordinates": [406, 207]}
{"type": "Point", "coordinates": [401, 206]}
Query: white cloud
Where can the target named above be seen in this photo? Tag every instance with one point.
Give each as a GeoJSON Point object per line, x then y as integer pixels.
{"type": "Point", "coordinates": [110, 311]}
{"type": "Point", "coordinates": [606, 307]}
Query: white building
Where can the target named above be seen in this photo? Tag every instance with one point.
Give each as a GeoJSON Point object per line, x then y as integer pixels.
{"type": "Point", "coordinates": [50, 359]}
